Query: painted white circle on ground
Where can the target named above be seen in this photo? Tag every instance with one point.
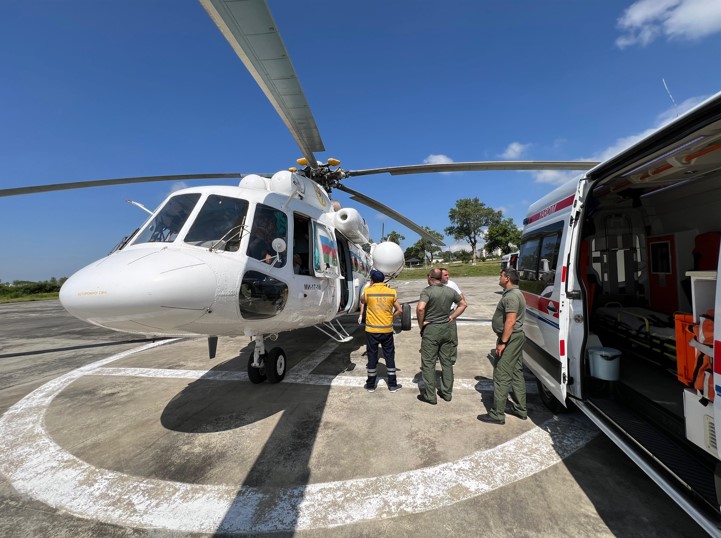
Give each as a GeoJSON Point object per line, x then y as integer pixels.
{"type": "Point", "coordinates": [40, 468]}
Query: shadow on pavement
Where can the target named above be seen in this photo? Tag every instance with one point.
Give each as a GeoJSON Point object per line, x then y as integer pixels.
{"type": "Point", "coordinates": [210, 405]}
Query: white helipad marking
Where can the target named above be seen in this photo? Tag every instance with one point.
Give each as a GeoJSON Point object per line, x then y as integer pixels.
{"type": "Point", "coordinates": [38, 467]}
{"type": "Point", "coordinates": [301, 377]}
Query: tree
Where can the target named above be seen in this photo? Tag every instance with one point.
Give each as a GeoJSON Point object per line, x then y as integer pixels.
{"type": "Point", "coordinates": [423, 248]}
{"type": "Point", "coordinates": [412, 252]}
{"type": "Point", "coordinates": [463, 256]}
{"type": "Point", "coordinates": [468, 219]}
{"type": "Point", "coordinates": [395, 237]}
{"type": "Point", "coordinates": [504, 235]}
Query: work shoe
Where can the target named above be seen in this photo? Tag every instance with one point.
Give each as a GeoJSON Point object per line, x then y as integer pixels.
{"type": "Point", "coordinates": [446, 398]}
{"type": "Point", "coordinates": [395, 388]}
{"type": "Point", "coordinates": [370, 387]}
{"type": "Point", "coordinates": [516, 414]}
{"type": "Point", "coordinates": [490, 420]}
{"type": "Point", "coordinates": [422, 399]}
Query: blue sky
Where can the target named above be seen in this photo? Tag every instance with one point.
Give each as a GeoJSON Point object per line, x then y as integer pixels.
{"type": "Point", "coordinates": [97, 89]}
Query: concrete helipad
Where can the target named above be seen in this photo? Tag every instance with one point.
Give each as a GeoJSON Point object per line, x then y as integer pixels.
{"type": "Point", "coordinates": [149, 437]}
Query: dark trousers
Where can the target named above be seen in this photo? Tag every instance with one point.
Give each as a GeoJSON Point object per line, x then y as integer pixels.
{"type": "Point", "coordinates": [384, 340]}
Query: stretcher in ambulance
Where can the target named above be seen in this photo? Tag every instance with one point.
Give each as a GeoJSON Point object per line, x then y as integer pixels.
{"type": "Point", "coordinates": [619, 271]}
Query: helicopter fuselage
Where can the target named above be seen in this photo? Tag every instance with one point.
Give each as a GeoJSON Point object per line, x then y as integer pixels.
{"type": "Point", "coordinates": [267, 256]}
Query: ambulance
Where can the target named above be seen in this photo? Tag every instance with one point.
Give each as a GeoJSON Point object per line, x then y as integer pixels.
{"type": "Point", "coordinates": [619, 271]}
{"type": "Point", "coordinates": [509, 260]}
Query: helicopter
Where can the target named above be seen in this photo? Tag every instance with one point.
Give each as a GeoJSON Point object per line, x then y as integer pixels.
{"type": "Point", "coordinates": [273, 254]}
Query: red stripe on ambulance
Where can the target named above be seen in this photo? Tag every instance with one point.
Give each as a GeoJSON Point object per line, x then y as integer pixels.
{"type": "Point", "coordinates": [551, 209]}
{"type": "Point", "coordinates": [540, 303]}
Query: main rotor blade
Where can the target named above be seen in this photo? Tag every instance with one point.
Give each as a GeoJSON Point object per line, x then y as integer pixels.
{"type": "Point", "coordinates": [251, 31]}
{"type": "Point", "coordinates": [374, 204]}
{"type": "Point", "coordinates": [106, 182]}
{"type": "Point", "coordinates": [476, 166]}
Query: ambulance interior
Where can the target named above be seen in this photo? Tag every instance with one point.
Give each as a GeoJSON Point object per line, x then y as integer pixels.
{"type": "Point", "coordinates": [648, 260]}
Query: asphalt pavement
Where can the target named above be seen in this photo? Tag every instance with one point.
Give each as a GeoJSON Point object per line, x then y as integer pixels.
{"type": "Point", "coordinates": [106, 434]}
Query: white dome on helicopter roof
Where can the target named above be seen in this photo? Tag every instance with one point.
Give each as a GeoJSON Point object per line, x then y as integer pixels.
{"type": "Point", "coordinates": [293, 184]}
{"type": "Point", "coordinates": [282, 182]}
{"type": "Point", "coordinates": [388, 258]}
{"type": "Point", "coordinates": [254, 181]}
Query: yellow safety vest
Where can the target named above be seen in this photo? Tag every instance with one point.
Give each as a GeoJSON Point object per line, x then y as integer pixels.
{"type": "Point", "coordinates": [379, 308]}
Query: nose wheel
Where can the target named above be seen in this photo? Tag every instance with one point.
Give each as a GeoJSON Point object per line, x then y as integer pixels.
{"type": "Point", "coordinates": [272, 367]}
{"type": "Point", "coordinates": [275, 365]}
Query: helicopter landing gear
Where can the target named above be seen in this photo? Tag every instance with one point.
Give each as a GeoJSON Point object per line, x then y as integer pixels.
{"type": "Point", "coordinates": [256, 374]}
{"type": "Point", "coordinates": [262, 365]}
{"type": "Point", "coordinates": [275, 365]}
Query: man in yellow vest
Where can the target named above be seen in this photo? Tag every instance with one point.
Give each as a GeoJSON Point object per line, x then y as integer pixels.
{"type": "Point", "coordinates": [381, 306]}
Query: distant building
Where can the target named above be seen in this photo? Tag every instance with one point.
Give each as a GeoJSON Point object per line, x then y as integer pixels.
{"type": "Point", "coordinates": [483, 253]}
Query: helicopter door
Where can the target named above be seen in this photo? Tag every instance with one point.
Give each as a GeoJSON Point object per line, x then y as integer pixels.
{"type": "Point", "coordinates": [346, 271]}
{"type": "Point", "coordinates": [301, 244]}
{"type": "Point", "coordinates": [325, 252]}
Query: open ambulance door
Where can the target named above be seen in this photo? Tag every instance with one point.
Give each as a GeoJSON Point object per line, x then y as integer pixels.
{"type": "Point", "coordinates": [716, 376]}
{"type": "Point", "coordinates": [572, 316]}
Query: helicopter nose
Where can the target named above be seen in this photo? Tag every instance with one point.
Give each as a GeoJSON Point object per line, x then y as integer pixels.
{"type": "Point", "coordinates": [137, 291]}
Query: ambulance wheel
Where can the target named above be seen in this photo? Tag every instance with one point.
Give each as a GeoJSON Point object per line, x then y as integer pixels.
{"type": "Point", "coordinates": [256, 375]}
{"type": "Point", "coordinates": [406, 317]}
{"type": "Point", "coordinates": [548, 399]}
{"type": "Point", "coordinates": [275, 365]}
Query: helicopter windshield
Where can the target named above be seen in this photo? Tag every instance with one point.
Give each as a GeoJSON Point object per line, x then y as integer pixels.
{"type": "Point", "coordinates": [166, 225]}
{"type": "Point", "coordinates": [220, 217]}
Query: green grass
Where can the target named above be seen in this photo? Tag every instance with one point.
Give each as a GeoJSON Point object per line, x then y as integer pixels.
{"type": "Point", "coordinates": [488, 268]}
{"type": "Point", "coordinates": [35, 297]}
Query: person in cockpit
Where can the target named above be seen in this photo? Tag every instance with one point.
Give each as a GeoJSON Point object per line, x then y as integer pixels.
{"type": "Point", "coordinates": [261, 242]}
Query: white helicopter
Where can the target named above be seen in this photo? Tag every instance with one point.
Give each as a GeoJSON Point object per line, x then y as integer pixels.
{"type": "Point", "coordinates": [272, 254]}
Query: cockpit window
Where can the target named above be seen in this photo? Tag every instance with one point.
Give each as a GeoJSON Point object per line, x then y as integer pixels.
{"type": "Point", "coordinates": [166, 225]}
{"type": "Point", "coordinates": [268, 224]}
{"type": "Point", "coordinates": [219, 223]}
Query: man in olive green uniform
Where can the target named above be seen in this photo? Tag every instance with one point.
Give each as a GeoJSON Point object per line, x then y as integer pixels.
{"type": "Point", "coordinates": [507, 323]}
{"type": "Point", "coordinates": [435, 322]}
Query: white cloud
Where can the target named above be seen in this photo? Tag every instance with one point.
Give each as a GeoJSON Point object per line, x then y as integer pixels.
{"type": "Point", "coordinates": [646, 20]}
{"type": "Point", "coordinates": [558, 177]}
{"type": "Point", "coordinates": [684, 107]}
{"type": "Point", "coordinates": [459, 246]}
{"type": "Point", "coordinates": [554, 177]}
{"type": "Point", "coordinates": [437, 159]}
{"type": "Point", "coordinates": [515, 150]}
{"type": "Point", "coordinates": [662, 119]}
{"type": "Point", "coordinates": [178, 185]}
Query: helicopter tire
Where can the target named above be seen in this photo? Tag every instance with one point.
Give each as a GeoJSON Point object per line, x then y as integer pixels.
{"type": "Point", "coordinates": [275, 365]}
{"type": "Point", "coordinates": [256, 375]}
{"type": "Point", "coordinates": [406, 317]}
